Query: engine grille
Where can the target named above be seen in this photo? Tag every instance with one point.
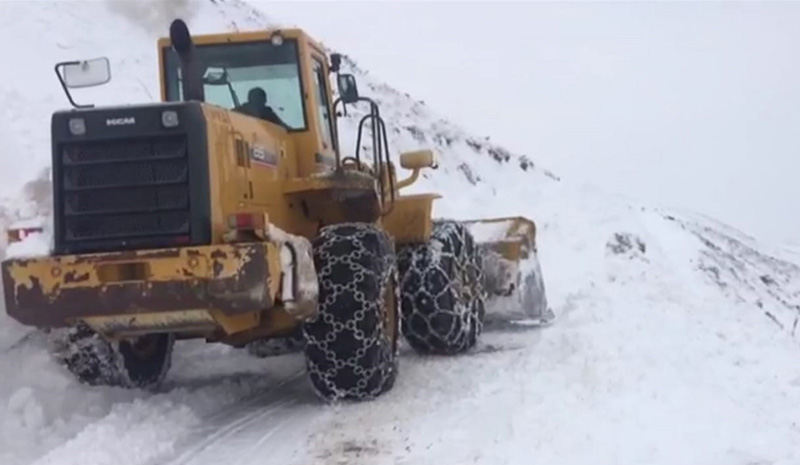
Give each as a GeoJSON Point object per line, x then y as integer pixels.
{"type": "Point", "coordinates": [119, 192]}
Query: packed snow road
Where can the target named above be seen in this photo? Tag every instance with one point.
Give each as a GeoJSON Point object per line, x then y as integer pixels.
{"type": "Point", "coordinates": [255, 427]}
{"type": "Point", "coordinates": [600, 386]}
{"type": "Point", "coordinates": [285, 422]}
{"type": "Point", "coordinates": [223, 405]}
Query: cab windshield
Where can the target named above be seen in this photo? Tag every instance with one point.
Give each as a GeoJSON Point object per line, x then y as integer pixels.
{"type": "Point", "coordinates": [256, 78]}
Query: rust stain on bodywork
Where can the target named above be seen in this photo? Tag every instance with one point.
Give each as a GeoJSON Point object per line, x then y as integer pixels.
{"type": "Point", "coordinates": [231, 279]}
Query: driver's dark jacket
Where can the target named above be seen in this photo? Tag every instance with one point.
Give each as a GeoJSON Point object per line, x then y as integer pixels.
{"type": "Point", "coordinates": [265, 113]}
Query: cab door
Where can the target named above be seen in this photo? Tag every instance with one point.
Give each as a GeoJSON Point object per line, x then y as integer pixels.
{"type": "Point", "coordinates": [325, 157]}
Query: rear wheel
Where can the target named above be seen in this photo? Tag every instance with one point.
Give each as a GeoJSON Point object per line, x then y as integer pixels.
{"type": "Point", "coordinates": [132, 363]}
{"type": "Point", "coordinates": [351, 346]}
{"type": "Point", "coordinates": [442, 291]}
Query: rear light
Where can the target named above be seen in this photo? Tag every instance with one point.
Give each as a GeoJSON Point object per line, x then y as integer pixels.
{"type": "Point", "coordinates": [241, 221]}
{"type": "Point", "coordinates": [247, 222]}
{"type": "Point", "coordinates": [182, 240]}
{"type": "Point", "coordinates": [19, 234]}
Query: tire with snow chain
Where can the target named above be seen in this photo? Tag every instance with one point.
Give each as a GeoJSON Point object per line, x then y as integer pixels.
{"type": "Point", "coordinates": [139, 363]}
{"type": "Point", "coordinates": [442, 291]}
{"type": "Point", "coordinates": [352, 345]}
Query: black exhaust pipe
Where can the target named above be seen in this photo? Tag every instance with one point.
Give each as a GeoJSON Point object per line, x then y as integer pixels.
{"type": "Point", "coordinates": [192, 80]}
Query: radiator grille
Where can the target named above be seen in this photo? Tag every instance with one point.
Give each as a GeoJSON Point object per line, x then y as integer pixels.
{"type": "Point", "coordinates": [125, 190]}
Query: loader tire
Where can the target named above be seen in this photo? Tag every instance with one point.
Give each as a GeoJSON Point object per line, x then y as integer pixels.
{"type": "Point", "coordinates": [141, 363]}
{"type": "Point", "coordinates": [442, 291]}
{"type": "Point", "coordinates": [351, 347]}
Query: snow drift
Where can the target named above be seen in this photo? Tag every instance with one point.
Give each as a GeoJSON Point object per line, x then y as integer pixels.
{"type": "Point", "coordinates": [675, 338]}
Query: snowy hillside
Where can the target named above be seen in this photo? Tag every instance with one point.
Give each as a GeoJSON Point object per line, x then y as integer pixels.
{"type": "Point", "coordinates": [675, 339]}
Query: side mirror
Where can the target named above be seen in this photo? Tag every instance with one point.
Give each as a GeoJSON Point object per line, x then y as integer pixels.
{"type": "Point", "coordinates": [86, 73]}
{"type": "Point", "coordinates": [418, 160]}
{"type": "Point", "coordinates": [347, 88]}
{"type": "Point", "coordinates": [215, 76]}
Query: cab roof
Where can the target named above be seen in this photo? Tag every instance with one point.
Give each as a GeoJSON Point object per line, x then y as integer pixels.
{"type": "Point", "coordinates": [249, 36]}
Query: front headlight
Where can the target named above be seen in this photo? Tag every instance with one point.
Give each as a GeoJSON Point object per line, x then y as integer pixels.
{"type": "Point", "coordinates": [169, 118]}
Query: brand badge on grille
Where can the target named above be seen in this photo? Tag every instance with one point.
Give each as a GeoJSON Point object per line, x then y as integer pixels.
{"type": "Point", "coordinates": [127, 121]}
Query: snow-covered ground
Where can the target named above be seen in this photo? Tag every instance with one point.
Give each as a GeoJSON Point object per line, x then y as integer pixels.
{"type": "Point", "coordinates": [675, 339]}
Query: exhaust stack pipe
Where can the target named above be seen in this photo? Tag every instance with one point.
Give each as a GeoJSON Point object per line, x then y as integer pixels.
{"type": "Point", "coordinates": [192, 82]}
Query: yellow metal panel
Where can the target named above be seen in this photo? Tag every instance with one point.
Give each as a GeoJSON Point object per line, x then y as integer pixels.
{"type": "Point", "coordinates": [410, 218]}
{"type": "Point", "coordinates": [151, 322]}
{"type": "Point", "coordinates": [513, 237]}
{"type": "Point", "coordinates": [232, 324]}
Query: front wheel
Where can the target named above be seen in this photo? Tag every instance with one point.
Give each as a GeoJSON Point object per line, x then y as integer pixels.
{"type": "Point", "coordinates": [442, 289]}
{"type": "Point", "coordinates": [351, 346]}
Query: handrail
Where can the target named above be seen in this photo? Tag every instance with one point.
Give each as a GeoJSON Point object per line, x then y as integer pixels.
{"type": "Point", "coordinates": [380, 149]}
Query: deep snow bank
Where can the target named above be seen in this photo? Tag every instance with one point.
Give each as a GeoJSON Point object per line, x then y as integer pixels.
{"type": "Point", "coordinates": [674, 332]}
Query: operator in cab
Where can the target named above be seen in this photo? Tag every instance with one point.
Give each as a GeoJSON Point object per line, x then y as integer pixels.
{"type": "Point", "coordinates": [256, 106]}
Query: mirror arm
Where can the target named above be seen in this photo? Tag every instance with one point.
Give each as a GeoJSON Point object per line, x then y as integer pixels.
{"type": "Point", "coordinates": [344, 106]}
{"type": "Point", "coordinates": [409, 180]}
{"type": "Point", "coordinates": [64, 84]}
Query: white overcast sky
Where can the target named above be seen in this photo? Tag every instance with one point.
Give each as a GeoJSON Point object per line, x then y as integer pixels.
{"type": "Point", "coordinates": [693, 104]}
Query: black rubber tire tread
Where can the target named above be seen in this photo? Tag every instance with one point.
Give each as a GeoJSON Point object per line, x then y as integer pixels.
{"type": "Point", "coordinates": [438, 318]}
{"type": "Point", "coordinates": [95, 361]}
{"type": "Point", "coordinates": [349, 355]}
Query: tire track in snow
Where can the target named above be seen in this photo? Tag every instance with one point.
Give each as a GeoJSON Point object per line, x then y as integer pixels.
{"type": "Point", "coordinates": [221, 425]}
{"type": "Point", "coordinates": [235, 435]}
{"type": "Point", "coordinates": [281, 421]}
{"type": "Point", "coordinates": [419, 420]}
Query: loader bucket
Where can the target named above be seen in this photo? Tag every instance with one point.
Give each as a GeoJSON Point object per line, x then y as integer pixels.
{"type": "Point", "coordinates": [513, 275]}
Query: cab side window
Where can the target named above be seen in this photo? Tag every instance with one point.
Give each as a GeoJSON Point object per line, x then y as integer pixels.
{"type": "Point", "coordinates": [323, 109]}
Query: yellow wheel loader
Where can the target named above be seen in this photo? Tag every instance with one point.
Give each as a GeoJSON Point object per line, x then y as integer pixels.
{"type": "Point", "coordinates": [228, 212]}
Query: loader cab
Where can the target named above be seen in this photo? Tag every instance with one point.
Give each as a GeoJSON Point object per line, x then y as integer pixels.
{"type": "Point", "coordinates": [293, 71]}
{"type": "Point", "coordinates": [285, 66]}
